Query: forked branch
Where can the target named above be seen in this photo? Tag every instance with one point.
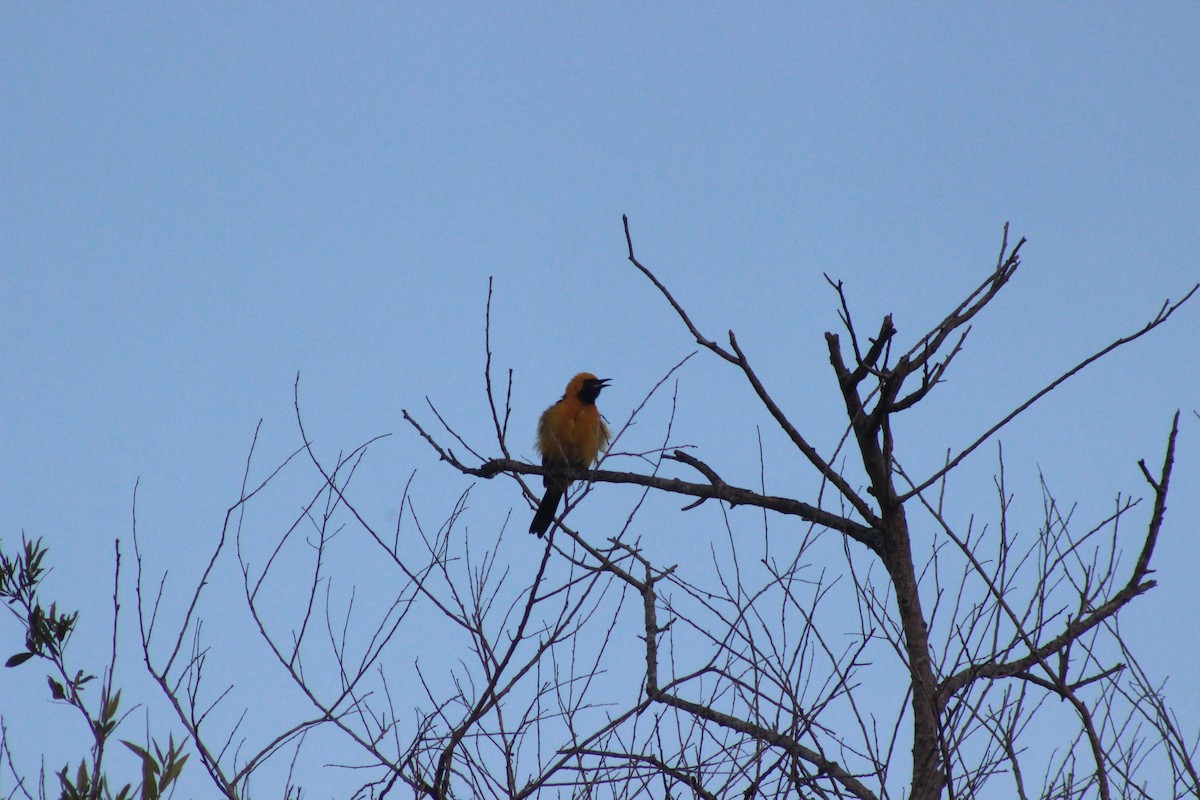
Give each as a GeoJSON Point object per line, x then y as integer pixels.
{"type": "Point", "coordinates": [738, 358]}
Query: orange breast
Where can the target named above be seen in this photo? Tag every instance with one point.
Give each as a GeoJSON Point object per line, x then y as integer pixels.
{"type": "Point", "coordinates": [571, 433]}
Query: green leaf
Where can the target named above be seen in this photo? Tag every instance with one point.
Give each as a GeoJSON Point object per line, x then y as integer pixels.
{"type": "Point", "coordinates": [173, 770]}
{"type": "Point", "coordinates": [56, 689]}
{"type": "Point", "coordinates": [149, 784]}
{"type": "Point", "coordinates": [110, 708]}
{"type": "Point", "coordinates": [18, 659]}
{"type": "Point", "coordinates": [142, 754]}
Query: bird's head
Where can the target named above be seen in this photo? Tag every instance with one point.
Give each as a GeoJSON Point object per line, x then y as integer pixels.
{"type": "Point", "coordinates": [586, 387]}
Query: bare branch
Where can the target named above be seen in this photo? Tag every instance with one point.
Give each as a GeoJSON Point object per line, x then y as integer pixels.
{"type": "Point", "coordinates": [732, 495]}
{"type": "Point", "coordinates": [703, 342]}
{"type": "Point", "coordinates": [1160, 501]}
{"type": "Point", "coordinates": [1164, 313]}
{"type": "Point", "coordinates": [738, 358]}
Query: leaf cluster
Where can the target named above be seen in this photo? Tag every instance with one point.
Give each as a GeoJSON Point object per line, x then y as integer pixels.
{"type": "Point", "coordinates": [47, 631]}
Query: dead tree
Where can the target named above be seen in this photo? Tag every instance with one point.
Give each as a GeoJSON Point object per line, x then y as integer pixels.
{"type": "Point", "coordinates": [922, 665]}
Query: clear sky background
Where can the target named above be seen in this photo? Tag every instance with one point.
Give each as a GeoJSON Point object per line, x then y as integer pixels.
{"type": "Point", "coordinates": [198, 202]}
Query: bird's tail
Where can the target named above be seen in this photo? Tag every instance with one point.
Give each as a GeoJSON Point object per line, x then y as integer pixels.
{"type": "Point", "coordinates": [545, 513]}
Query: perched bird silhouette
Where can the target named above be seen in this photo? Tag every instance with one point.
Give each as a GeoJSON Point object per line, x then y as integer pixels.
{"type": "Point", "coordinates": [570, 434]}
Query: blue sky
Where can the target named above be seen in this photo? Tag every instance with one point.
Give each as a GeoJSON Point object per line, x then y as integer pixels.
{"type": "Point", "coordinates": [201, 201]}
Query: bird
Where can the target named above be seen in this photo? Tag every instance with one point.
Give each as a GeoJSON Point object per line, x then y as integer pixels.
{"type": "Point", "coordinates": [570, 433]}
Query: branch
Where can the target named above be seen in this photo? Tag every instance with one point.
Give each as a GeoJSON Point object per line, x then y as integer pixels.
{"type": "Point", "coordinates": [738, 358]}
{"type": "Point", "coordinates": [1164, 313]}
{"type": "Point", "coordinates": [1135, 586]}
{"type": "Point", "coordinates": [1160, 501]}
{"type": "Point", "coordinates": [827, 471]}
{"type": "Point", "coordinates": [733, 495]}
{"type": "Point", "coordinates": [708, 343]}
{"type": "Point", "coordinates": [832, 769]}
{"type": "Point", "coordinates": [1060, 688]}
{"type": "Point", "coordinates": [660, 766]}
{"type": "Point", "coordinates": [1073, 631]}
{"type": "Point", "coordinates": [825, 766]}
{"type": "Point", "coordinates": [1006, 267]}
{"type": "Point", "coordinates": [501, 426]}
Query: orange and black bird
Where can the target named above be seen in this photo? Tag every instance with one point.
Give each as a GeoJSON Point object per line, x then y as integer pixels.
{"type": "Point", "coordinates": [570, 434]}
